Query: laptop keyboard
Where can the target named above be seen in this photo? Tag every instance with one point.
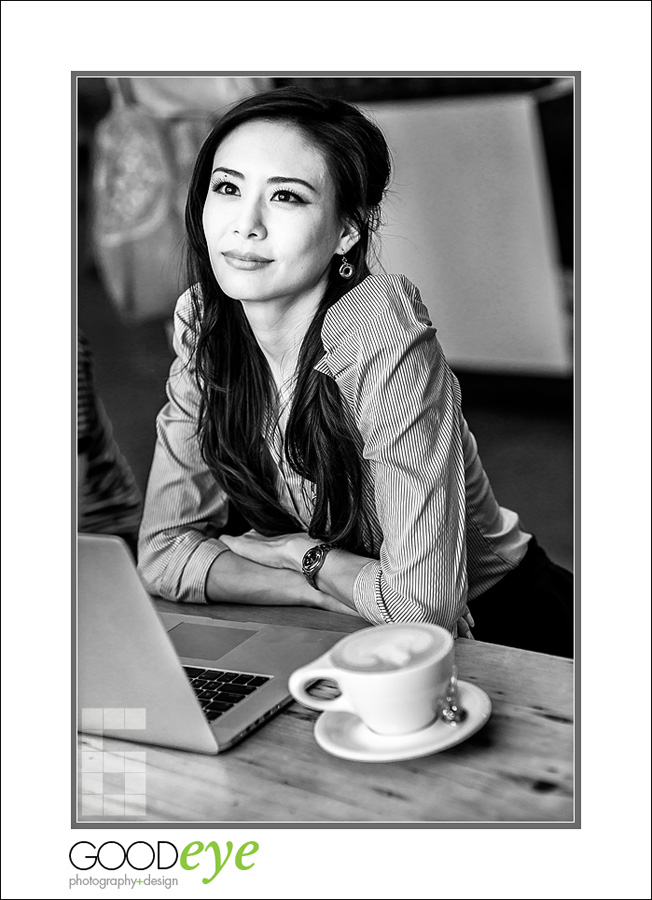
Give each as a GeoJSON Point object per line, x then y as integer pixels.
{"type": "Point", "coordinates": [219, 691]}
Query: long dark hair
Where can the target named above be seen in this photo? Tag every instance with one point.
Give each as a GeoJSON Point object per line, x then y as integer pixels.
{"type": "Point", "coordinates": [238, 397]}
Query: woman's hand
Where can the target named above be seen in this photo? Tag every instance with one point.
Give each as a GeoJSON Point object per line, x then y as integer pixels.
{"type": "Point", "coordinates": [285, 551]}
{"type": "Point", "coordinates": [464, 625]}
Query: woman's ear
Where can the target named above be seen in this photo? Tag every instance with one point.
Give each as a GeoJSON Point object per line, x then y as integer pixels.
{"type": "Point", "coordinates": [348, 238]}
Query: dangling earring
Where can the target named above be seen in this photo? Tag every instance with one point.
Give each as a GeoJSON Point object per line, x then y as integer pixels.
{"type": "Point", "coordinates": [346, 269]}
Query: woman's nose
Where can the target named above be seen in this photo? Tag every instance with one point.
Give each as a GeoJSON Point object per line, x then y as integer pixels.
{"type": "Point", "coordinates": [249, 219]}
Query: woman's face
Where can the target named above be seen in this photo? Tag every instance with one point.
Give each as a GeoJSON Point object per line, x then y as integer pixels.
{"type": "Point", "coordinates": [270, 220]}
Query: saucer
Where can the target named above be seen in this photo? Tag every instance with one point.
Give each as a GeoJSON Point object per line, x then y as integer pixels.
{"type": "Point", "coordinates": [344, 734]}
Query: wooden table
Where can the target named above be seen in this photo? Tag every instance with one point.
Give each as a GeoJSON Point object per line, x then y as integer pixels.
{"type": "Point", "coordinates": [518, 768]}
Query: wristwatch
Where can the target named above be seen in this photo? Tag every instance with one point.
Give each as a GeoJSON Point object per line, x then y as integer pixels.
{"type": "Point", "coordinates": [313, 560]}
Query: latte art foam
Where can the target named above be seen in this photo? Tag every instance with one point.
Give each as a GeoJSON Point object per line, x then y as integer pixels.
{"type": "Point", "coordinates": [386, 649]}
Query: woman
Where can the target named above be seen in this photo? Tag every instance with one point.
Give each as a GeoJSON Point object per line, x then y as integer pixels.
{"type": "Point", "coordinates": [315, 399]}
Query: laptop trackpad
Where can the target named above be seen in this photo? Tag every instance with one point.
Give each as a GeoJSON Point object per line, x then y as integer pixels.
{"type": "Point", "coordinates": [207, 641]}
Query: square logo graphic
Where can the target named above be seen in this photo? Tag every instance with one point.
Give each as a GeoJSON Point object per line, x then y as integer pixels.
{"type": "Point", "coordinates": [113, 783]}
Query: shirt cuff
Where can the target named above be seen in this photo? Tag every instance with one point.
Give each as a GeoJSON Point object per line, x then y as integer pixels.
{"type": "Point", "coordinates": [367, 595]}
{"type": "Point", "coordinates": [187, 582]}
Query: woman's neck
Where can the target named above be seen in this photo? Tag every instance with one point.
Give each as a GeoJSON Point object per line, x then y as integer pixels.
{"type": "Point", "coordinates": [280, 327]}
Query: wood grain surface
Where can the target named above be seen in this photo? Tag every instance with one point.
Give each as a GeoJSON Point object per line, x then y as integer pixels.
{"type": "Point", "coordinates": [518, 768]}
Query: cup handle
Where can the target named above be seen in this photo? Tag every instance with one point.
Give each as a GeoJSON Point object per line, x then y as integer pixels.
{"type": "Point", "coordinates": [302, 677]}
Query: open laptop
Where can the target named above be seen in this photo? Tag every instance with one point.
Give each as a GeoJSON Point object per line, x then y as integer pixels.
{"type": "Point", "coordinates": [188, 682]}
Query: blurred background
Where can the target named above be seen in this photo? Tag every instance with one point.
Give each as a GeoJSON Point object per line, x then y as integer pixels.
{"type": "Point", "coordinates": [479, 217]}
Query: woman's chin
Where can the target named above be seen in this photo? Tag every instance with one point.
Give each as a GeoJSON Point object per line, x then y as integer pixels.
{"type": "Point", "coordinates": [243, 286]}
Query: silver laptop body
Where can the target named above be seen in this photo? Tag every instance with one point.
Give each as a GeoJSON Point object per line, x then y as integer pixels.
{"type": "Point", "coordinates": [130, 680]}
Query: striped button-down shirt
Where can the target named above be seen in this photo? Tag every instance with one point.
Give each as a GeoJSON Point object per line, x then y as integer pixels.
{"type": "Point", "coordinates": [437, 537]}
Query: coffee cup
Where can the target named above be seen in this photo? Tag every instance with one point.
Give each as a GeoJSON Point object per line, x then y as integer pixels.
{"type": "Point", "coordinates": [393, 677]}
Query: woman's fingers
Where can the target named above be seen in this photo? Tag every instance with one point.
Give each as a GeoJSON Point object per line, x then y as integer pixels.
{"type": "Point", "coordinates": [463, 629]}
{"type": "Point", "coordinates": [464, 625]}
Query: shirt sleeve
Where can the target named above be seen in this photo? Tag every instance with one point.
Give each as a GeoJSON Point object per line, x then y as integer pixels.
{"type": "Point", "coordinates": [184, 506]}
{"type": "Point", "coordinates": [382, 350]}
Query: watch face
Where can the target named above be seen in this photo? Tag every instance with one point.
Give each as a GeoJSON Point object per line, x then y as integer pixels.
{"type": "Point", "coordinates": [312, 558]}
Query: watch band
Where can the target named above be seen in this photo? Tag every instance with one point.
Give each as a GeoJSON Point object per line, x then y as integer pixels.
{"type": "Point", "coordinates": [313, 560]}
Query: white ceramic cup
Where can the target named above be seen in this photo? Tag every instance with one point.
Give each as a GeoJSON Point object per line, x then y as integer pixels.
{"type": "Point", "coordinates": [393, 677]}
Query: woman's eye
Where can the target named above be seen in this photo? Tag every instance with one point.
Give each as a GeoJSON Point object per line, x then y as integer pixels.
{"type": "Point", "coordinates": [225, 187]}
{"type": "Point", "coordinates": [287, 197]}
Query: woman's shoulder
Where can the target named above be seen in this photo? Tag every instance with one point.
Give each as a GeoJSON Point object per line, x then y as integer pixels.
{"type": "Point", "coordinates": [378, 296]}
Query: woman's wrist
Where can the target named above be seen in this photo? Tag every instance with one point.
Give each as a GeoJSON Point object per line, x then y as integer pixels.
{"type": "Point", "coordinates": [337, 574]}
{"type": "Point", "coordinates": [297, 548]}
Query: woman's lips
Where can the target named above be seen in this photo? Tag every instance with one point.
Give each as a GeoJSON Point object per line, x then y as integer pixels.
{"type": "Point", "coordinates": [245, 261]}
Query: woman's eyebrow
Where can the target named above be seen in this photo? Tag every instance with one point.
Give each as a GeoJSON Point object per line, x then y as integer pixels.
{"type": "Point", "coordinates": [231, 172]}
{"type": "Point", "coordinates": [277, 179]}
{"type": "Point", "coordinates": [280, 180]}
